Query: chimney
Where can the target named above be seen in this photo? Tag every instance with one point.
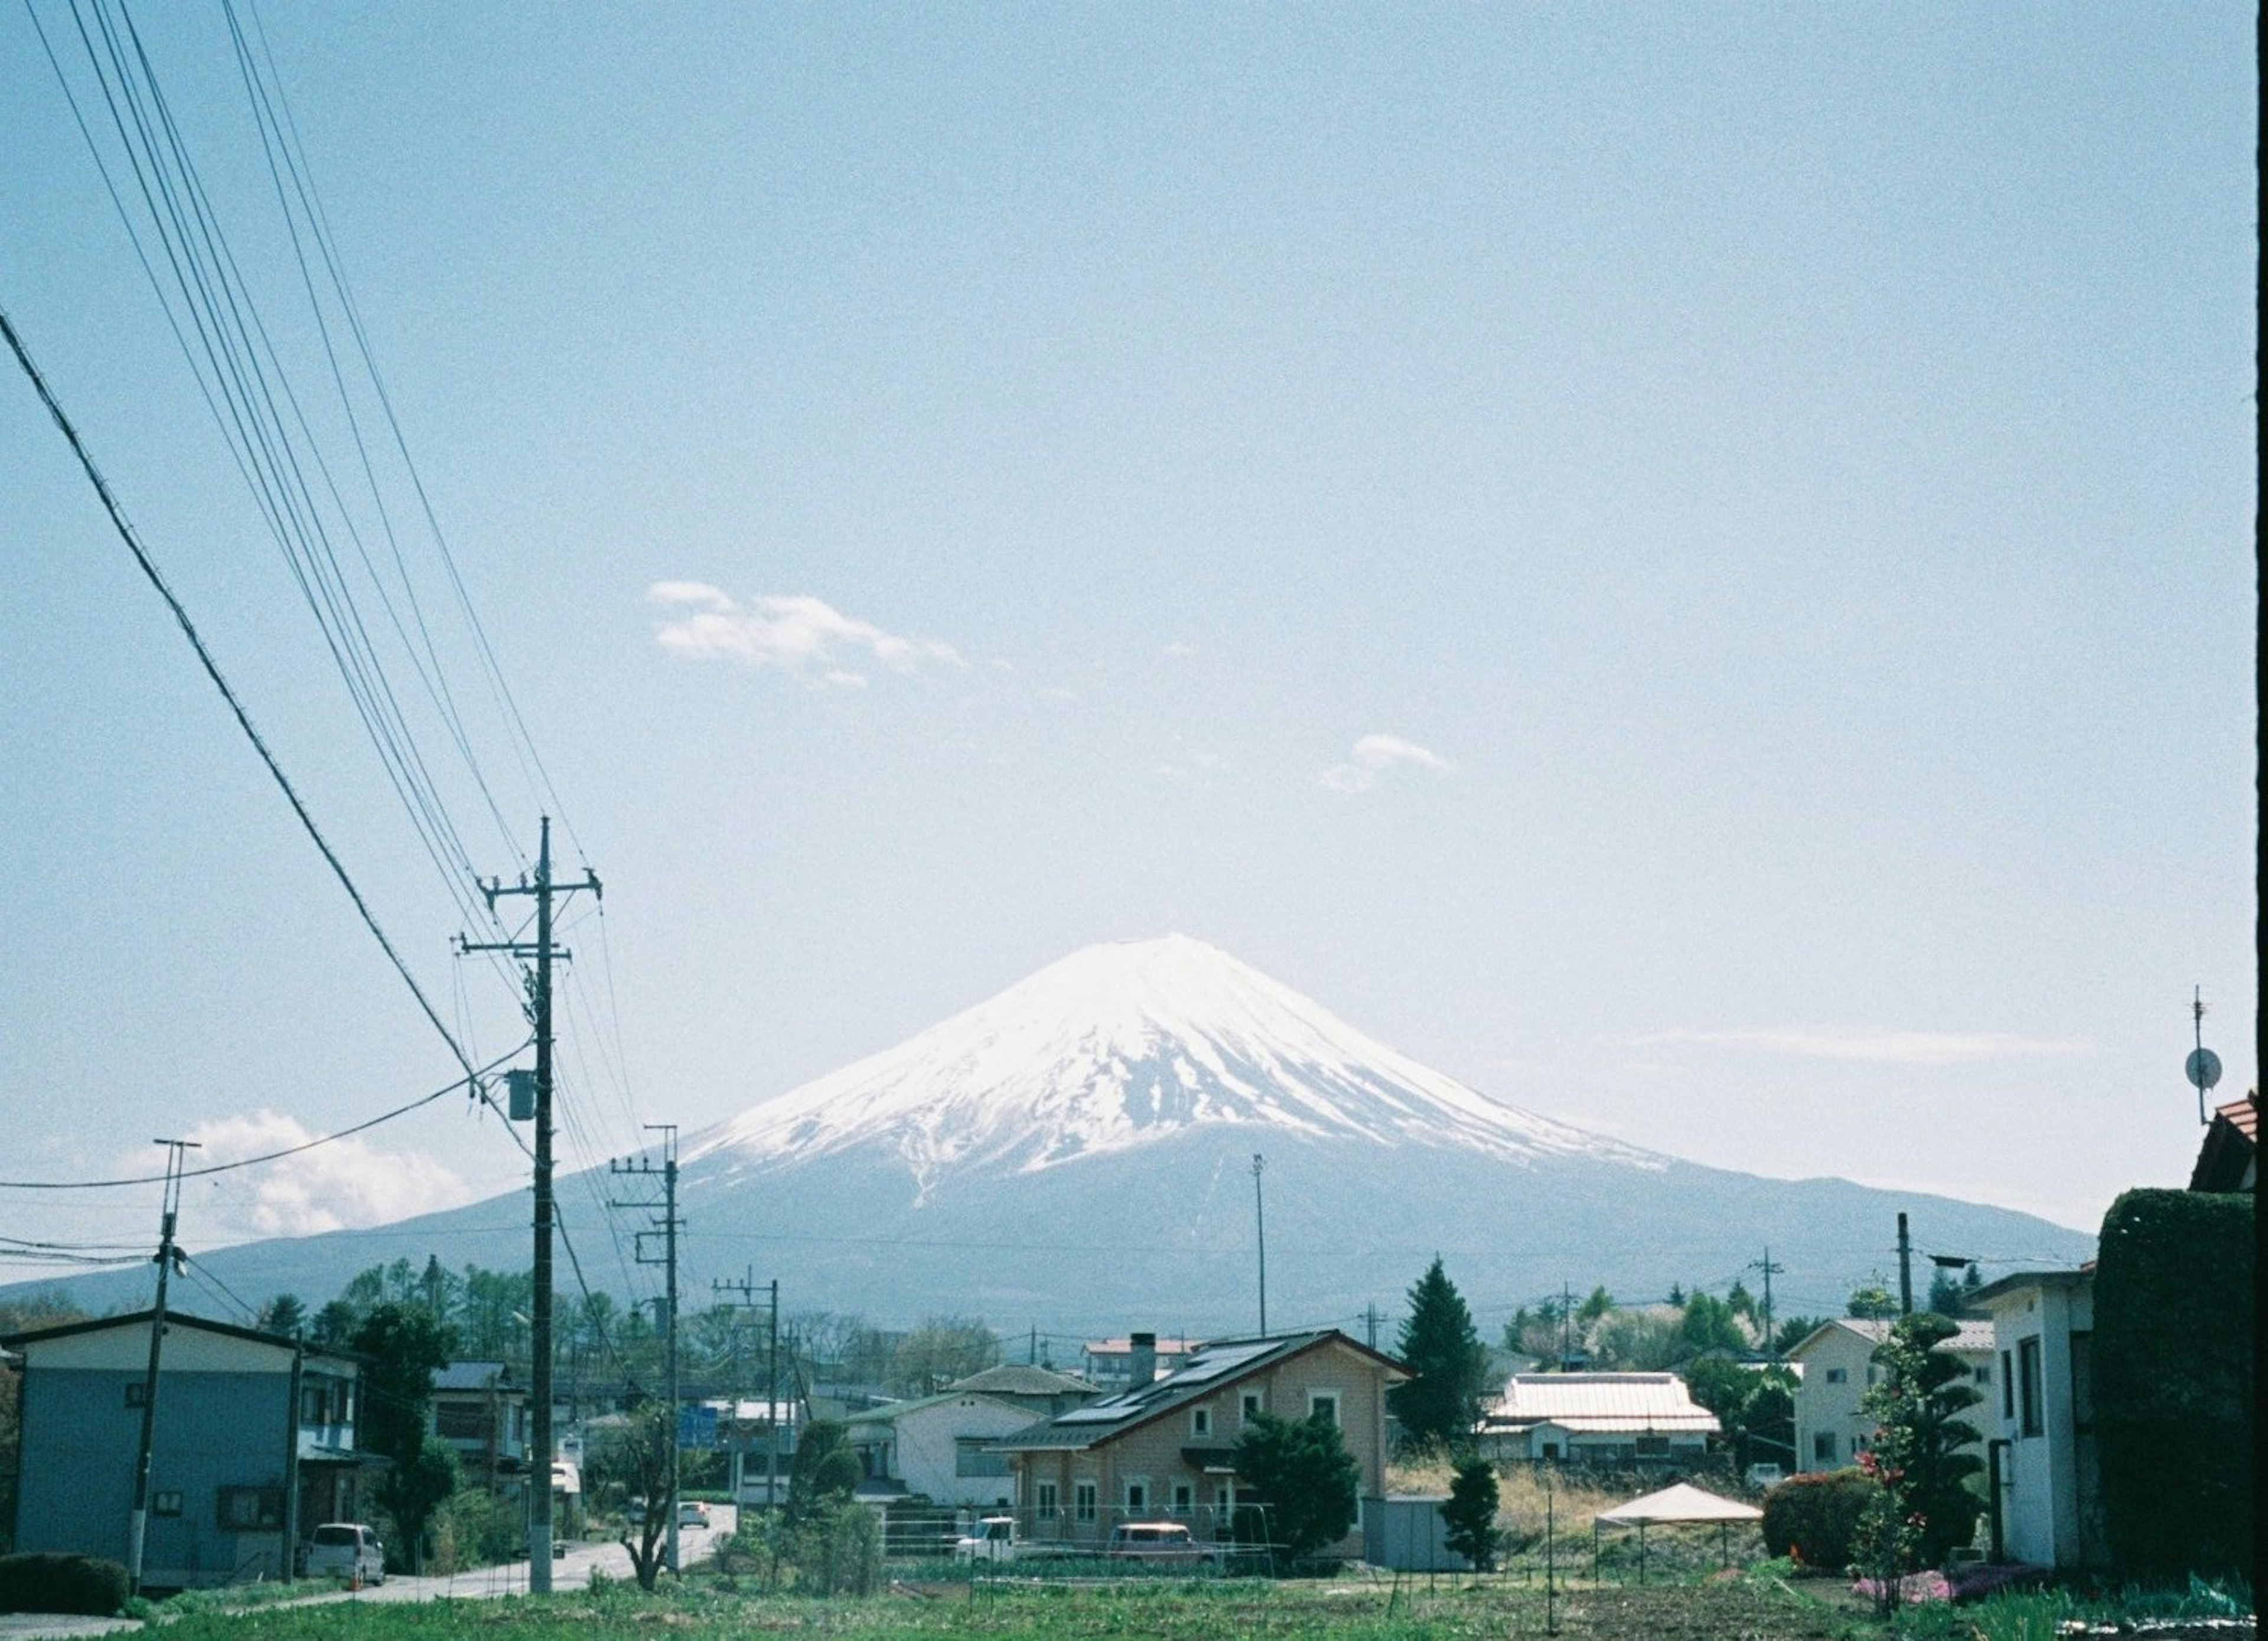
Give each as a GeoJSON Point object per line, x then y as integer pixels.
{"type": "Point", "coordinates": [1141, 1359]}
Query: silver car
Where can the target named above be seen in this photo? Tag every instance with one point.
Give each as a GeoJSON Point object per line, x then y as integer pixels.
{"type": "Point", "coordinates": [347, 1551]}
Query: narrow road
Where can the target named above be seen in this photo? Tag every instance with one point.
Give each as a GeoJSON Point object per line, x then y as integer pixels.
{"type": "Point", "coordinates": [569, 1571]}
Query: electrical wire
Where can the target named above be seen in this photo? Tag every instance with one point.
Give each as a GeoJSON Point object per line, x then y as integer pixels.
{"type": "Point", "coordinates": [472, 1079]}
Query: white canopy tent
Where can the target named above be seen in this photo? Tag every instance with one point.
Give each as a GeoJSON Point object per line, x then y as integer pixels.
{"type": "Point", "coordinates": [1681, 1504]}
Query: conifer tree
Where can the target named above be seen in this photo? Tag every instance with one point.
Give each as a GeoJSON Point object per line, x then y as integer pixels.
{"type": "Point", "coordinates": [1448, 1367]}
{"type": "Point", "coordinates": [1470, 1514]}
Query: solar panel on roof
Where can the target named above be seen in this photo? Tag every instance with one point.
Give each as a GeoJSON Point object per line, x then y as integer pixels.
{"type": "Point", "coordinates": [1212, 1363]}
{"type": "Point", "coordinates": [1100, 1413]}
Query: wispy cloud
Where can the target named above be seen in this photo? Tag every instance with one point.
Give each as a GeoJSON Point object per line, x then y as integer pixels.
{"type": "Point", "coordinates": [799, 634]}
{"type": "Point", "coordinates": [1374, 754]}
{"type": "Point", "coordinates": [346, 1183]}
{"type": "Point", "coordinates": [1880, 1047]}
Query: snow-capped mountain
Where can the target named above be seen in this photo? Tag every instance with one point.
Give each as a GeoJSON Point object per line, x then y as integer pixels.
{"type": "Point", "coordinates": [1075, 1154]}
{"type": "Point", "coordinates": [1119, 1046]}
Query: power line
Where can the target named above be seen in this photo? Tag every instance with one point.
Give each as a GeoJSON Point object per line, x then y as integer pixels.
{"type": "Point", "coordinates": [249, 1162]}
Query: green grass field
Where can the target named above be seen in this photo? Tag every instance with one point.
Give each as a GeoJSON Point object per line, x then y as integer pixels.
{"type": "Point", "coordinates": [1221, 1610]}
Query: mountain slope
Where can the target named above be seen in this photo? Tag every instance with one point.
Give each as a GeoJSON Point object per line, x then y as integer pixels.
{"type": "Point", "coordinates": [1115, 1048]}
{"type": "Point", "coordinates": [1075, 1154]}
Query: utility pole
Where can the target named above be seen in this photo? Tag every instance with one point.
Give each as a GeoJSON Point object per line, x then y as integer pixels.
{"type": "Point", "coordinates": [1260, 1226]}
{"type": "Point", "coordinates": [747, 1290]}
{"type": "Point", "coordinates": [1771, 1343]}
{"type": "Point", "coordinates": [1566, 1325]}
{"type": "Point", "coordinates": [667, 1230]}
{"type": "Point", "coordinates": [1370, 1324]}
{"type": "Point", "coordinates": [1905, 1269]}
{"type": "Point", "coordinates": [167, 1256]}
{"type": "Point", "coordinates": [539, 1014]}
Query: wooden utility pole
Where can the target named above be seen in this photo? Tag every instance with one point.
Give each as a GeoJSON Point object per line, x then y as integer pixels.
{"type": "Point", "coordinates": [1771, 1346]}
{"type": "Point", "coordinates": [667, 1230]}
{"type": "Point", "coordinates": [1905, 1269]}
{"type": "Point", "coordinates": [137, 1523]}
{"type": "Point", "coordinates": [539, 1013]}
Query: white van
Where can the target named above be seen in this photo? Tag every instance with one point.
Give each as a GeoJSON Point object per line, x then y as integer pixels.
{"type": "Point", "coordinates": [345, 1549]}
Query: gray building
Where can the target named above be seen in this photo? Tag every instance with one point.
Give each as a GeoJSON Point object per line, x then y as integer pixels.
{"type": "Point", "coordinates": [253, 1445]}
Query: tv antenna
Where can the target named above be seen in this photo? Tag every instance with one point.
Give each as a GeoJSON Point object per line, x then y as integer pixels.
{"type": "Point", "coordinates": [2203, 1067]}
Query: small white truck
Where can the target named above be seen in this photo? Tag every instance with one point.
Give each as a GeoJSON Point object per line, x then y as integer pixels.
{"type": "Point", "coordinates": [994, 1540]}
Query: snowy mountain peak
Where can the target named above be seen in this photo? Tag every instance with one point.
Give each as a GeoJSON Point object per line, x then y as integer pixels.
{"type": "Point", "coordinates": [1120, 1045]}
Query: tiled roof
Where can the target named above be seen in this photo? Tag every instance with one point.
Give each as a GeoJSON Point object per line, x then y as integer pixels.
{"type": "Point", "coordinates": [1599, 1403]}
{"type": "Point", "coordinates": [474, 1376]}
{"type": "Point", "coordinates": [1121, 1345]}
{"type": "Point", "coordinates": [2240, 1115]}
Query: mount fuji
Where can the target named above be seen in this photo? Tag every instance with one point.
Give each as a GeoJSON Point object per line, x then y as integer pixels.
{"type": "Point", "coordinates": [1078, 1153]}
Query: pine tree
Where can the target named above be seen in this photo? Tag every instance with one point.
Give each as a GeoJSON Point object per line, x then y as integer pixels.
{"type": "Point", "coordinates": [1448, 1367]}
{"type": "Point", "coordinates": [1470, 1514]}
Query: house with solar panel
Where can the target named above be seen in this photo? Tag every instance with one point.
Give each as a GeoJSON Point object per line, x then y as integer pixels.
{"type": "Point", "coordinates": [1163, 1448]}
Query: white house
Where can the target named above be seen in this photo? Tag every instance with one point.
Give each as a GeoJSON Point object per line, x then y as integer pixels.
{"type": "Point", "coordinates": [2047, 1501]}
{"type": "Point", "coordinates": [939, 1448]}
{"type": "Point", "coordinates": [1836, 1369]}
{"type": "Point", "coordinates": [1624, 1421]}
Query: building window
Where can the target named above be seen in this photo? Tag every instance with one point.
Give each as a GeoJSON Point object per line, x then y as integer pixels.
{"type": "Point", "coordinates": [137, 1393]}
{"type": "Point", "coordinates": [251, 1509]}
{"type": "Point", "coordinates": [1048, 1506]}
{"type": "Point", "coordinates": [1082, 1501]}
{"type": "Point", "coordinates": [2083, 1382]}
{"type": "Point", "coordinates": [2007, 1388]}
{"type": "Point", "coordinates": [314, 1404]}
{"type": "Point", "coordinates": [1224, 1497]}
{"type": "Point", "coordinates": [1251, 1405]}
{"type": "Point", "coordinates": [1185, 1498]}
{"type": "Point", "coordinates": [1652, 1447]}
{"type": "Point", "coordinates": [1823, 1446]}
{"type": "Point", "coordinates": [165, 1504]}
{"type": "Point", "coordinates": [2028, 1387]}
{"type": "Point", "coordinates": [1200, 1421]}
{"type": "Point", "coordinates": [1323, 1406]}
{"type": "Point", "coordinates": [1984, 1372]}
{"type": "Point", "coordinates": [1836, 1375]}
{"type": "Point", "coordinates": [1138, 1497]}
{"type": "Point", "coordinates": [1872, 1373]}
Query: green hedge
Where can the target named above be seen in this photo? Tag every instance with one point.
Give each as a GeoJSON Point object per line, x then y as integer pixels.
{"type": "Point", "coordinates": [1815, 1517]}
{"type": "Point", "coordinates": [52, 1582]}
{"type": "Point", "coordinates": [2172, 1358]}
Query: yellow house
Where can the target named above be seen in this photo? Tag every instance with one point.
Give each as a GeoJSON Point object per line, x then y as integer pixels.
{"type": "Point", "coordinates": [1161, 1449]}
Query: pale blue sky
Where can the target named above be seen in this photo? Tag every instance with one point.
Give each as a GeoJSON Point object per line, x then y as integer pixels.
{"type": "Point", "coordinates": [1790, 468]}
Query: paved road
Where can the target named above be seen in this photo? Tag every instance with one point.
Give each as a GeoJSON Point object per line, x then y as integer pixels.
{"type": "Point", "coordinates": [571, 1572]}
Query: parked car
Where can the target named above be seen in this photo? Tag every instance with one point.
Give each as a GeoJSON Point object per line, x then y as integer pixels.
{"type": "Point", "coordinates": [345, 1549]}
{"type": "Point", "coordinates": [1765, 1475]}
{"type": "Point", "coordinates": [1166, 1541]}
{"type": "Point", "coordinates": [691, 1512]}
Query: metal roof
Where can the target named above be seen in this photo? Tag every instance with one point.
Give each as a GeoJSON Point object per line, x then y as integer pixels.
{"type": "Point", "coordinates": [1021, 1379]}
{"type": "Point", "coordinates": [1599, 1403]}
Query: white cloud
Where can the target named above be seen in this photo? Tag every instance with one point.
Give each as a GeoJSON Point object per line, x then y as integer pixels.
{"type": "Point", "coordinates": [1373, 754]}
{"type": "Point", "coordinates": [346, 1183]}
{"type": "Point", "coordinates": [797, 633]}
{"type": "Point", "coordinates": [1178, 651]}
{"type": "Point", "coordinates": [1882, 1047]}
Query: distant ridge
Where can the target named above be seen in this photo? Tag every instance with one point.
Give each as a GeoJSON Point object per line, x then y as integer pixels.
{"type": "Point", "coordinates": [1074, 1152]}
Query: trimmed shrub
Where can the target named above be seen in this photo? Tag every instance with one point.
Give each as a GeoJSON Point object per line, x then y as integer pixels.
{"type": "Point", "coordinates": [49, 1582]}
{"type": "Point", "coordinates": [2173, 1350]}
{"type": "Point", "coordinates": [1815, 1517]}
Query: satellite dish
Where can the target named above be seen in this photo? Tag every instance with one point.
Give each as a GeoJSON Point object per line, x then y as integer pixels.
{"type": "Point", "coordinates": [2203, 1068]}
